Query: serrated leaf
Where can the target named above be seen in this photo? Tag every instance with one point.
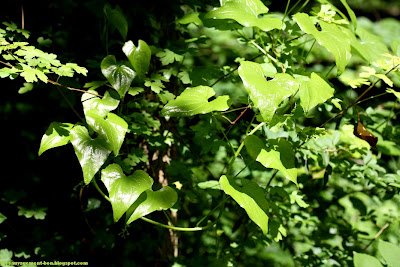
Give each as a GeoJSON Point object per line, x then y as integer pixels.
{"type": "Point", "coordinates": [190, 18]}
{"type": "Point", "coordinates": [77, 69]}
{"type": "Point", "coordinates": [58, 134]}
{"type": "Point", "coordinates": [251, 198]}
{"type": "Point", "coordinates": [294, 198]}
{"type": "Point", "coordinates": [91, 153]}
{"type": "Point", "coordinates": [124, 190]}
{"type": "Point", "coordinates": [32, 75]}
{"type": "Point", "coordinates": [111, 128]}
{"type": "Point", "coordinates": [194, 101]}
{"type": "Point", "coordinates": [247, 13]}
{"type": "Point", "coordinates": [389, 252]}
{"type": "Point", "coordinates": [266, 95]}
{"type": "Point", "coordinates": [109, 102]}
{"type": "Point", "coordinates": [279, 155]}
{"type": "Point", "coordinates": [119, 76]}
{"type": "Point", "coordinates": [150, 201]}
{"type": "Point", "coordinates": [117, 19]}
{"type": "Point", "coordinates": [314, 92]}
{"type": "Point", "coordinates": [362, 260]}
{"type": "Point", "coordinates": [168, 57]}
{"type": "Point", "coordinates": [138, 56]}
{"type": "Point", "coordinates": [331, 36]}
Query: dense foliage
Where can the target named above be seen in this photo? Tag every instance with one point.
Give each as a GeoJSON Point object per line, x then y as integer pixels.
{"type": "Point", "coordinates": [201, 133]}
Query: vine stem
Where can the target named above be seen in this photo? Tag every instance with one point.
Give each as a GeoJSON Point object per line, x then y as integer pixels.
{"type": "Point", "coordinates": [378, 234]}
{"type": "Point", "coordinates": [176, 228]}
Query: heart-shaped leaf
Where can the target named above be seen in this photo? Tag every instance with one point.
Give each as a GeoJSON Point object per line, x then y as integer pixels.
{"type": "Point", "coordinates": [251, 198]}
{"type": "Point", "coordinates": [111, 128]}
{"type": "Point", "coordinates": [109, 102]}
{"type": "Point", "coordinates": [124, 190]}
{"type": "Point", "coordinates": [138, 56]}
{"type": "Point", "coordinates": [266, 95]}
{"type": "Point", "coordinates": [119, 76]}
{"type": "Point", "coordinates": [56, 135]}
{"type": "Point", "coordinates": [279, 155]}
{"type": "Point", "coordinates": [150, 201]}
{"type": "Point", "coordinates": [91, 153]}
{"type": "Point", "coordinates": [331, 36]}
{"type": "Point", "coordinates": [194, 101]}
{"type": "Point", "coordinates": [247, 13]}
{"type": "Point", "coordinates": [314, 91]}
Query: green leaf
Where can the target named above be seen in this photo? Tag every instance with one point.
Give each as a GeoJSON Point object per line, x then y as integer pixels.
{"type": "Point", "coordinates": [109, 102]}
{"type": "Point", "coordinates": [212, 184]}
{"type": "Point", "coordinates": [194, 101]}
{"type": "Point", "coordinates": [314, 91]}
{"type": "Point", "coordinates": [389, 252]}
{"type": "Point", "coordinates": [266, 95]}
{"type": "Point", "coordinates": [91, 153]}
{"type": "Point", "coordinates": [397, 94]}
{"type": "Point", "coordinates": [2, 218]}
{"type": "Point", "coordinates": [35, 212]}
{"type": "Point", "coordinates": [251, 198]}
{"type": "Point", "coordinates": [190, 18]}
{"type": "Point", "coordinates": [31, 74]}
{"type": "Point", "coordinates": [295, 198]}
{"type": "Point", "coordinates": [58, 134]}
{"type": "Point", "coordinates": [94, 85]}
{"type": "Point", "coordinates": [138, 56]}
{"type": "Point", "coordinates": [117, 19]}
{"type": "Point", "coordinates": [370, 46]}
{"type": "Point", "coordinates": [363, 260]}
{"type": "Point", "coordinates": [168, 57]}
{"type": "Point", "coordinates": [150, 201]}
{"type": "Point", "coordinates": [111, 128]}
{"type": "Point", "coordinates": [351, 13]}
{"type": "Point", "coordinates": [6, 256]}
{"type": "Point", "coordinates": [247, 13]}
{"type": "Point", "coordinates": [279, 155]}
{"type": "Point", "coordinates": [124, 190]}
{"type": "Point", "coordinates": [331, 36]}
{"type": "Point", "coordinates": [77, 69]}
{"type": "Point", "coordinates": [119, 76]}
{"type": "Point", "coordinates": [26, 88]}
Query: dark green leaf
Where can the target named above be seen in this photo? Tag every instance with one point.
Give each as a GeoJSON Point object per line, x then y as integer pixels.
{"type": "Point", "coordinates": [119, 76]}
{"type": "Point", "coordinates": [117, 19]}
{"type": "Point", "coordinates": [124, 190]}
{"type": "Point", "coordinates": [91, 153]}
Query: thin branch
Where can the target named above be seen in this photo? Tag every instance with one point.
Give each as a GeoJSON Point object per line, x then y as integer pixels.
{"type": "Point", "coordinates": [272, 177]}
{"type": "Point", "coordinates": [73, 89]}
{"type": "Point", "coordinates": [69, 104]}
{"type": "Point", "coordinates": [378, 234]}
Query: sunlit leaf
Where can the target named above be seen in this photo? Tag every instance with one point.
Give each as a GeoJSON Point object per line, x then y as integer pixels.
{"type": "Point", "coordinates": [26, 88]}
{"type": "Point", "coordinates": [111, 128]}
{"type": "Point", "coordinates": [192, 17]}
{"type": "Point", "coordinates": [91, 153]}
{"type": "Point", "coordinates": [370, 46]}
{"type": "Point", "coordinates": [56, 135]}
{"type": "Point", "coordinates": [266, 95]}
{"type": "Point", "coordinates": [150, 201]}
{"type": "Point", "coordinates": [124, 190]}
{"type": "Point", "coordinates": [138, 56]}
{"type": "Point", "coordinates": [314, 91]}
{"type": "Point", "coordinates": [247, 13]}
{"type": "Point", "coordinates": [331, 36]}
{"type": "Point", "coordinates": [251, 198]}
{"type": "Point", "coordinates": [278, 155]}
{"type": "Point", "coordinates": [109, 102]}
{"type": "Point", "coordinates": [194, 101]}
{"type": "Point", "coordinates": [119, 76]}
{"type": "Point", "coordinates": [389, 252]}
{"type": "Point", "coordinates": [168, 57]}
{"type": "Point", "coordinates": [362, 260]}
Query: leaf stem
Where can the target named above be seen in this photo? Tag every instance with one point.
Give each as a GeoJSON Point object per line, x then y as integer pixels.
{"type": "Point", "coordinates": [100, 191]}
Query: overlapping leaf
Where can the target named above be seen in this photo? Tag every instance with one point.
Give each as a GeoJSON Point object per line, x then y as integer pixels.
{"type": "Point", "coordinates": [331, 36]}
{"type": "Point", "coordinates": [314, 91]}
{"type": "Point", "coordinates": [251, 198]}
{"type": "Point", "coordinates": [124, 190]}
{"type": "Point", "coordinates": [111, 128]}
{"type": "Point", "coordinates": [266, 95]}
{"type": "Point", "coordinates": [247, 13]}
{"type": "Point", "coordinates": [194, 101]}
{"type": "Point", "coordinates": [150, 201]}
{"type": "Point", "coordinates": [91, 153]}
{"type": "Point", "coordinates": [119, 76]}
{"type": "Point", "coordinates": [279, 155]}
{"type": "Point", "coordinates": [109, 102]}
{"type": "Point", "coordinates": [138, 56]}
{"type": "Point", "coordinates": [56, 135]}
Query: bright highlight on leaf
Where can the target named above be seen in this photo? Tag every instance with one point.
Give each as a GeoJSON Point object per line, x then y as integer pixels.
{"type": "Point", "coordinates": [124, 190]}
{"type": "Point", "coordinates": [56, 135]}
{"type": "Point", "coordinates": [138, 56]}
{"type": "Point", "coordinates": [314, 91]}
{"type": "Point", "coordinates": [247, 13]}
{"type": "Point", "coordinates": [91, 153]}
{"type": "Point", "coordinates": [251, 198]}
{"type": "Point", "coordinates": [279, 155]}
{"type": "Point", "coordinates": [266, 95]}
{"type": "Point", "coordinates": [194, 101]}
{"type": "Point", "coordinates": [109, 102]}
